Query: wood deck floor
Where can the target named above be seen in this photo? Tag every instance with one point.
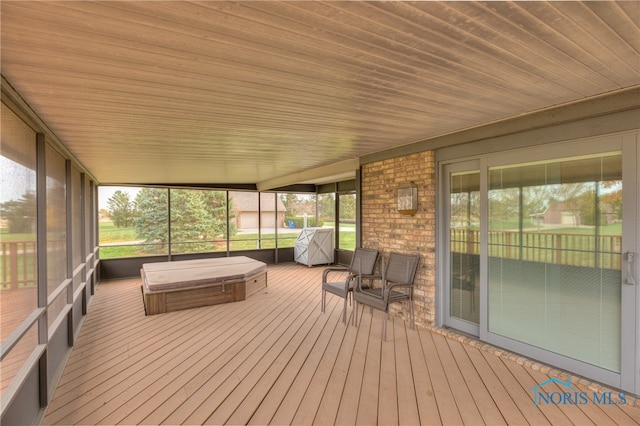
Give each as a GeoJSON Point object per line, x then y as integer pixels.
{"type": "Point", "coordinates": [276, 359]}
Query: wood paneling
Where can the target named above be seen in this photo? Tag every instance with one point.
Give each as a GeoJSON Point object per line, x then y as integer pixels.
{"type": "Point", "coordinates": [215, 92]}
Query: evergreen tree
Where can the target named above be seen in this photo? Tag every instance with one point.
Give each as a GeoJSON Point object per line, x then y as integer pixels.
{"type": "Point", "coordinates": [198, 217]}
{"type": "Point", "coordinates": [151, 217]}
{"type": "Point", "coordinates": [190, 220]}
{"type": "Point", "coordinates": [120, 209]}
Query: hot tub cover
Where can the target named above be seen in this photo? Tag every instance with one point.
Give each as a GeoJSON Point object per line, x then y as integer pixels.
{"type": "Point", "coordinates": [166, 276]}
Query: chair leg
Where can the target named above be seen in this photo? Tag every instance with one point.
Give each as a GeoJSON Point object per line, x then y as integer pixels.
{"type": "Point", "coordinates": [384, 327]}
{"type": "Point", "coordinates": [473, 299]}
{"type": "Point", "coordinates": [412, 315]}
{"type": "Point", "coordinates": [354, 320]}
{"type": "Point", "coordinates": [344, 312]}
{"type": "Point", "coordinates": [324, 297]}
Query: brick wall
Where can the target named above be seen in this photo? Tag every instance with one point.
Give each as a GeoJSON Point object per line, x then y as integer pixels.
{"type": "Point", "coordinates": [386, 229]}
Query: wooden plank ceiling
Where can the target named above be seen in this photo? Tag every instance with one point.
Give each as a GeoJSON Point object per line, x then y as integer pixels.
{"type": "Point", "coordinates": [245, 92]}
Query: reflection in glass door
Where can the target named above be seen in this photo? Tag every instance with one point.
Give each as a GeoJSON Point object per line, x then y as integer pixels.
{"type": "Point", "coordinates": [554, 256]}
{"type": "Point", "coordinates": [464, 246]}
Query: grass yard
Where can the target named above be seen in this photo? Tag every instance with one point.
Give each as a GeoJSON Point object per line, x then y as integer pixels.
{"type": "Point", "coordinates": [122, 242]}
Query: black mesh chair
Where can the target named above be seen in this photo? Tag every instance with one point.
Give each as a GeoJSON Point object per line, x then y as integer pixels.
{"type": "Point", "coordinates": [362, 265]}
{"type": "Point", "coordinates": [397, 286]}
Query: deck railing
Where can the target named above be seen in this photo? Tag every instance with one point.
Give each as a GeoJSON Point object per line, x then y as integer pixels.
{"type": "Point", "coordinates": [17, 264]}
{"type": "Point", "coordinates": [603, 251]}
{"type": "Point", "coordinates": [18, 258]}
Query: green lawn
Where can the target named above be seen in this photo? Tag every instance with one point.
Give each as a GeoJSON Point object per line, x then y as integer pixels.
{"type": "Point", "coordinates": [109, 233]}
{"type": "Point", "coordinates": [116, 242]}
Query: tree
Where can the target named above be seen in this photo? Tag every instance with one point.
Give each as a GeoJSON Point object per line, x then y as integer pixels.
{"type": "Point", "coordinates": [151, 218]}
{"type": "Point", "coordinates": [348, 207]}
{"type": "Point", "coordinates": [120, 209]}
{"type": "Point", "coordinates": [612, 195]}
{"type": "Point", "coordinates": [216, 204]}
{"type": "Point", "coordinates": [327, 207]}
{"type": "Point", "coordinates": [20, 214]}
{"type": "Point", "coordinates": [198, 217]}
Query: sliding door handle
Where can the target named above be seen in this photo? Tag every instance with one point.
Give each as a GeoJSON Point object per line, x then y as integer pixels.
{"type": "Point", "coordinates": [631, 259]}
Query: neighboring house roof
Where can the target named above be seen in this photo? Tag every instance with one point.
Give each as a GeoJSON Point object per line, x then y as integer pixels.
{"type": "Point", "coordinates": [248, 202]}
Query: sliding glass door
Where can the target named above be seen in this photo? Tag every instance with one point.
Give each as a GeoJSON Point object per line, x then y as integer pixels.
{"type": "Point", "coordinates": [463, 222]}
{"type": "Point", "coordinates": [539, 253]}
{"type": "Point", "coordinates": [554, 256]}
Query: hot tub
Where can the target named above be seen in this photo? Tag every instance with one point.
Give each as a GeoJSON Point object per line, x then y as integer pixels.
{"type": "Point", "coordinates": [172, 286]}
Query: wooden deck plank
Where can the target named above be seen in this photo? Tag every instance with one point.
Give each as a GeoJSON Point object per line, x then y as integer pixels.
{"type": "Point", "coordinates": [407, 393]}
{"type": "Point", "coordinates": [298, 372]}
{"type": "Point", "coordinates": [576, 414]}
{"type": "Point", "coordinates": [388, 393]}
{"type": "Point", "coordinates": [632, 412]}
{"type": "Point", "coordinates": [459, 389]}
{"type": "Point", "coordinates": [498, 391]}
{"type": "Point", "coordinates": [522, 399]}
{"type": "Point", "coordinates": [425, 394]}
{"type": "Point", "coordinates": [553, 413]}
{"type": "Point", "coordinates": [612, 411]}
{"type": "Point", "coordinates": [253, 389]}
{"type": "Point", "coordinates": [176, 371]}
{"type": "Point", "coordinates": [350, 398]}
{"type": "Point", "coordinates": [188, 377]}
{"type": "Point", "coordinates": [108, 378]}
{"type": "Point", "coordinates": [237, 365]}
{"type": "Point", "coordinates": [325, 409]}
{"type": "Point", "coordinates": [368, 403]}
{"type": "Point", "coordinates": [447, 407]}
{"type": "Point", "coordinates": [276, 359]}
{"type": "Point", "coordinates": [159, 363]}
{"type": "Point", "coordinates": [187, 385]}
{"type": "Point", "coordinates": [312, 394]}
{"type": "Point", "coordinates": [488, 409]}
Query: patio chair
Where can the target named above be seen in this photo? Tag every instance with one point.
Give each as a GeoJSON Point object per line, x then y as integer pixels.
{"type": "Point", "coordinates": [397, 286]}
{"type": "Point", "coordinates": [362, 265]}
{"type": "Point", "coordinates": [466, 281]}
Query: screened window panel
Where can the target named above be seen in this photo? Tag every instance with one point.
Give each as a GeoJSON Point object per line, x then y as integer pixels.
{"type": "Point", "coordinates": [132, 221]}
{"type": "Point", "coordinates": [18, 272]}
{"type": "Point", "coordinates": [289, 230]}
{"type": "Point", "coordinates": [245, 220]}
{"type": "Point", "coordinates": [347, 221]}
{"type": "Point", "coordinates": [271, 218]}
{"type": "Point", "coordinates": [198, 220]}
{"type": "Point", "coordinates": [76, 218]}
{"type": "Point", "coordinates": [56, 220]}
{"type": "Point", "coordinates": [87, 218]}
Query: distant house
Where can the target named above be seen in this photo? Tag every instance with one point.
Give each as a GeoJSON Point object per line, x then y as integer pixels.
{"type": "Point", "coordinates": [245, 206]}
{"type": "Point", "coordinates": [560, 213]}
{"type": "Point", "coordinates": [556, 213]}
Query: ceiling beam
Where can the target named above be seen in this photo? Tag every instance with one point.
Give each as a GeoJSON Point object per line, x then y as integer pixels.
{"type": "Point", "coordinates": [342, 170]}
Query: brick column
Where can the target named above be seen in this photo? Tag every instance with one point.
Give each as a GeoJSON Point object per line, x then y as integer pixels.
{"type": "Point", "coordinates": [386, 229]}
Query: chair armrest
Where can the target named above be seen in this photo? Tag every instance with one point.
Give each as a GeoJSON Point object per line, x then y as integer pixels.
{"type": "Point", "coordinates": [391, 286]}
{"type": "Point", "coordinates": [326, 272]}
{"type": "Point", "coordinates": [370, 277]}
